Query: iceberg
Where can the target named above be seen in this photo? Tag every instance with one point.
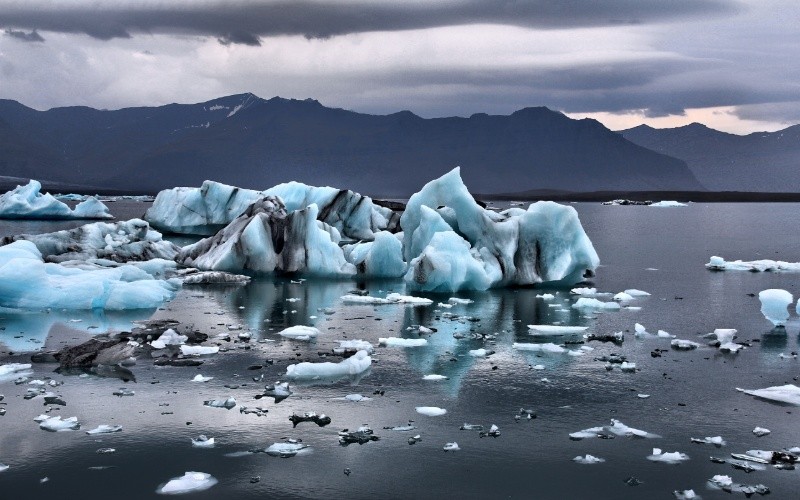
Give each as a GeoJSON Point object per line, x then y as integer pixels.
{"type": "Point", "coordinates": [380, 258]}
{"type": "Point", "coordinates": [57, 424]}
{"type": "Point", "coordinates": [125, 241]}
{"type": "Point", "coordinates": [27, 282]}
{"type": "Point", "coordinates": [674, 457]}
{"type": "Point", "coordinates": [285, 450]}
{"type": "Point", "coordinates": [190, 482]}
{"type": "Point", "coordinates": [265, 238]}
{"type": "Point", "coordinates": [206, 210]}
{"type": "Point", "coordinates": [774, 305]}
{"type": "Point", "coordinates": [354, 365]}
{"type": "Point", "coordinates": [27, 202]}
{"type": "Point", "coordinates": [482, 248]}
{"type": "Point", "coordinates": [723, 339]}
{"type": "Point", "coordinates": [788, 394]}
{"type": "Point", "coordinates": [716, 263]}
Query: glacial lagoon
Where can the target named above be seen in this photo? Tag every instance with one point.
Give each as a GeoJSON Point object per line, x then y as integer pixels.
{"type": "Point", "coordinates": [692, 394]}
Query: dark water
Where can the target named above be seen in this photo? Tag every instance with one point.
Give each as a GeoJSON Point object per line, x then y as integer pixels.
{"type": "Point", "coordinates": [692, 393]}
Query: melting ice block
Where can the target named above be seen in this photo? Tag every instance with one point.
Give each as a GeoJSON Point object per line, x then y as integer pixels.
{"type": "Point", "coordinates": [188, 483]}
{"type": "Point", "coordinates": [300, 332]}
{"type": "Point", "coordinates": [789, 394]}
{"type": "Point", "coordinates": [27, 202]}
{"type": "Point", "coordinates": [354, 365]}
{"type": "Point", "coordinates": [452, 243]}
{"type": "Point", "coordinates": [774, 305]}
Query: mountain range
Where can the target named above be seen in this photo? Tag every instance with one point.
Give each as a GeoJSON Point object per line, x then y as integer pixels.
{"type": "Point", "coordinates": [252, 142]}
{"type": "Point", "coordinates": [761, 161]}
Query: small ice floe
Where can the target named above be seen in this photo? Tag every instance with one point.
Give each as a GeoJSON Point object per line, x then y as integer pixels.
{"type": "Point", "coordinates": [674, 457]}
{"type": "Point", "coordinates": [103, 451]}
{"type": "Point", "coordinates": [548, 347]}
{"type": "Point", "coordinates": [537, 367]}
{"type": "Point", "coordinates": [715, 440]}
{"type": "Point", "coordinates": [203, 441]}
{"type": "Point", "coordinates": [300, 332]}
{"type": "Point", "coordinates": [353, 346]}
{"type": "Point", "coordinates": [11, 370]}
{"type": "Point", "coordinates": [247, 336]}
{"type": "Point", "coordinates": [685, 495]}
{"type": "Point", "coordinates": [56, 424]}
{"type": "Point", "coordinates": [642, 396]}
{"type": "Point", "coordinates": [719, 264]}
{"type": "Point", "coordinates": [725, 483]}
{"type": "Point", "coordinates": [683, 345]}
{"type": "Point", "coordinates": [355, 398]}
{"type": "Point", "coordinates": [546, 296]}
{"type": "Point", "coordinates": [402, 428]}
{"type": "Point", "coordinates": [545, 330]}
{"type": "Point", "coordinates": [451, 447]}
{"type": "Point", "coordinates": [105, 429]}
{"type": "Point", "coordinates": [430, 411]}
{"type": "Point", "coordinates": [445, 305]}
{"type": "Point", "coordinates": [616, 428]}
{"type": "Point", "coordinates": [775, 304]}
{"type": "Point", "coordinates": [668, 204]}
{"type": "Point", "coordinates": [201, 378]}
{"type": "Point", "coordinates": [221, 403]}
{"type": "Point", "coordinates": [392, 298]}
{"type": "Point", "coordinates": [723, 339]}
{"type": "Point", "coordinates": [627, 367]}
{"type": "Point", "coordinates": [434, 376]}
{"type": "Point", "coordinates": [616, 337]}
{"type": "Point", "coordinates": [480, 353]}
{"type": "Point", "coordinates": [792, 355]}
{"type": "Point", "coordinates": [789, 393]}
{"type": "Point", "coordinates": [215, 278]}
{"type": "Point", "coordinates": [425, 330]}
{"type": "Point", "coordinates": [493, 431]}
{"type": "Point", "coordinates": [592, 303]}
{"type": "Point", "coordinates": [456, 300]}
{"type": "Point", "coordinates": [190, 482]}
{"type": "Point", "coordinates": [637, 293]}
{"type": "Point", "coordinates": [278, 391]}
{"type": "Point", "coordinates": [199, 350]}
{"type": "Point", "coordinates": [414, 439]}
{"type": "Point", "coordinates": [124, 391]}
{"type": "Point", "coordinates": [362, 435]}
{"type": "Point", "coordinates": [587, 292]}
{"type": "Point", "coordinates": [588, 459]}
{"type": "Point", "coordinates": [528, 414]}
{"type": "Point", "coordinates": [290, 448]}
{"type": "Point", "coordinates": [255, 410]}
{"type": "Point", "coordinates": [3, 467]}
{"type": "Point", "coordinates": [761, 431]}
{"type": "Point", "coordinates": [401, 342]}
{"type": "Point", "coordinates": [622, 297]}
{"type": "Point", "coordinates": [169, 337]}
{"type": "Point", "coordinates": [321, 420]}
{"type": "Point", "coordinates": [354, 365]}
{"type": "Point", "coordinates": [471, 427]}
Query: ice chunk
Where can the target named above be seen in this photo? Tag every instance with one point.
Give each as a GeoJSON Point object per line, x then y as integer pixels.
{"type": "Point", "coordinates": [715, 440]}
{"type": "Point", "coordinates": [636, 293]}
{"type": "Point", "coordinates": [310, 416]}
{"type": "Point", "coordinates": [684, 345]}
{"type": "Point", "coordinates": [789, 394]}
{"type": "Point", "coordinates": [592, 303]}
{"type": "Point", "coordinates": [104, 429]}
{"type": "Point", "coordinates": [674, 457]}
{"type": "Point", "coordinates": [761, 431]}
{"type": "Point", "coordinates": [392, 298]}
{"type": "Point", "coordinates": [546, 296]}
{"type": "Point", "coordinates": [720, 264]}
{"type": "Point", "coordinates": [353, 346]}
{"type": "Point", "coordinates": [361, 436]}
{"type": "Point", "coordinates": [215, 278]}
{"type": "Point", "coordinates": [548, 347]}
{"type": "Point", "coordinates": [623, 297]}
{"type": "Point", "coordinates": [201, 378]}
{"type": "Point", "coordinates": [723, 339]}
{"type": "Point", "coordinates": [588, 459]}
{"type": "Point", "coordinates": [483, 249]}
{"type": "Point", "coordinates": [380, 258]}
{"type": "Point", "coordinates": [3, 467]}
{"type": "Point", "coordinates": [616, 427]}
{"type": "Point", "coordinates": [774, 304]}
{"type": "Point", "coordinates": [356, 398]}
{"type": "Point", "coordinates": [9, 371]}
{"type": "Point", "coordinates": [221, 403]}
{"type": "Point", "coordinates": [203, 441]}
{"type": "Point", "coordinates": [556, 329]}
{"type": "Point", "coordinates": [685, 495]}
{"type": "Point", "coordinates": [300, 332]}
{"type": "Point", "coordinates": [725, 483]}
{"type": "Point", "coordinates": [451, 447]}
{"type": "Point", "coordinates": [434, 376]}
{"type": "Point", "coordinates": [668, 203]}
{"type": "Point", "coordinates": [56, 424]}
{"type": "Point", "coordinates": [26, 282]}
{"type": "Point", "coordinates": [480, 353]}
{"type": "Point", "coordinates": [430, 411]}
{"type": "Point", "coordinates": [400, 342]}
{"type": "Point", "coordinates": [27, 202]}
{"type": "Point", "coordinates": [190, 482]}
{"type": "Point", "coordinates": [286, 450]}
{"type": "Point", "coordinates": [199, 350]}
{"type": "Point", "coordinates": [354, 365]}
{"type": "Point", "coordinates": [169, 337]}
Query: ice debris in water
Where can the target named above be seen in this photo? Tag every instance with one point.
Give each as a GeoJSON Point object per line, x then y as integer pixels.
{"type": "Point", "coordinates": [761, 431]}
{"type": "Point", "coordinates": [203, 441]}
{"type": "Point", "coordinates": [493, 431]}
{"type": "Point", "coordinates": [356, 398]}
{"type": "Point", "coordinates": [685, 495]}
{"type": "Point", "coordinates": [622, 297]}
{"type": "Point", "coordinates": [104, 429]}
{"type": "Point", "coordinates": [56, 424]}
{"type": "Point", "coordinates": [354, 365]}
{"type": "Point", "coordinates": [683, 345]}
{"type": "Point", "coordinates": [430, 411]}
{"type": "Point", "coordinates": [353, 346]}
{"type": "Point", "coordinates": [221, 403]}
{"type": "Point", "coordinates": [27, 282]}
{"type": "Point", "coordinates": [3, 467]}
{"type": "Point", "coordinates": [548, 347]}
{"type": "Point", "coordinates": [471, 427]}
{"type": "Point", "coordinates": [720, 264]}
{"type": "Point", "coordinates": [362, 435]}
{"type": "Point", "coordinates": [715, 440]}
{"type": "Point", "coordinates": [401, 342]}
{"type": "Point", "coordinates": [723, 339]}
{"type": "Point", "coordinates": [321, 420]}
{"type": "Point", "coordinates": [11, 370]}
{"type": "Point", "coordinates": [215, 278]}
{"type": "Point", "coordinates": [392, 298]}
{"type": "Point", "coordinates": [287, 449]}
{"type": "Point", "coordinates": [199, 350]}
{"type": "Point", "coordinates": [402, 428]}
{"type": "Point", "coordinates": [668, 204]}
{"type": "Point", "coordinates": [434, 376]}
{"type": "Point", "coordinates": [588, 459]}
{"type": "Point", "coordinates": [636, 293]}
{"type": "Point", "coordinates": [279, 391]}
{"type": "Point", "coordinates": [774, 305]}
{"type": "Point", "coordinates": [169, 337]}
{"type": "Point", "coordinates": [28, 202]}
{"type": "Point", "coordinates": [451, 447]}
{"type": "Point", "coordinates": [190, 482]}
{"type": "Point", "coordinates": [480, 353]}
{"type": "Point", "coordinates": [124, 391]}
{"type": "Point", "coordinates": [674, 457]}
{"type": "Point", "coordinates": [545, 330]}
{"type": "Point", "coordinates": [725, 483]}
{"type": "Point", "coordinates": [789, 393]}
{"type": "Point", "coordinates": [300, 332]}
{"type": "Point", "coordinates": [257, 411]}
{"type": "Point", "coordinates": [546, 296]}
{"type": "Point", "coordinates": [592, 303]}
{"type": "Point", "coordinates": [201, 378]}
{"type": "Point", "coordinates": [616, 428]}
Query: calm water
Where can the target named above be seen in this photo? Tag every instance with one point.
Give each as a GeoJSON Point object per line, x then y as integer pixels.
{"type": "Point", "coordinates": [692, 393]}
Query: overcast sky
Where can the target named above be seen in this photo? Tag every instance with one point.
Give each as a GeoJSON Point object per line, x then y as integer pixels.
{"type": "Point", "coordinates": [731, 64]}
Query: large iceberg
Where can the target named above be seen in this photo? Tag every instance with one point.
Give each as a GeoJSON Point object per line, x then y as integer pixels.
{"type": "Point", "coordinates": [27, 282]}
{"type": "Point", "coordinates": [27, 202]}
{"type": "Point", "coordinates": [131, 240]}
{"type": "Point", "coordinates": [213, 206]}
{"type": "Point", "coordinates": [380, 258]}
{"type": "Point", "coordinates": [482, 248]}
{"type": "Point", "coordinates": [266, 238]}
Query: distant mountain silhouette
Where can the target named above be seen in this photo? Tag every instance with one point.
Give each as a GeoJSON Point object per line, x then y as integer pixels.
{"type": "Point", "coordinates": [761, 161]}
{"type": "Point", "coordinates": [252, 142]}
